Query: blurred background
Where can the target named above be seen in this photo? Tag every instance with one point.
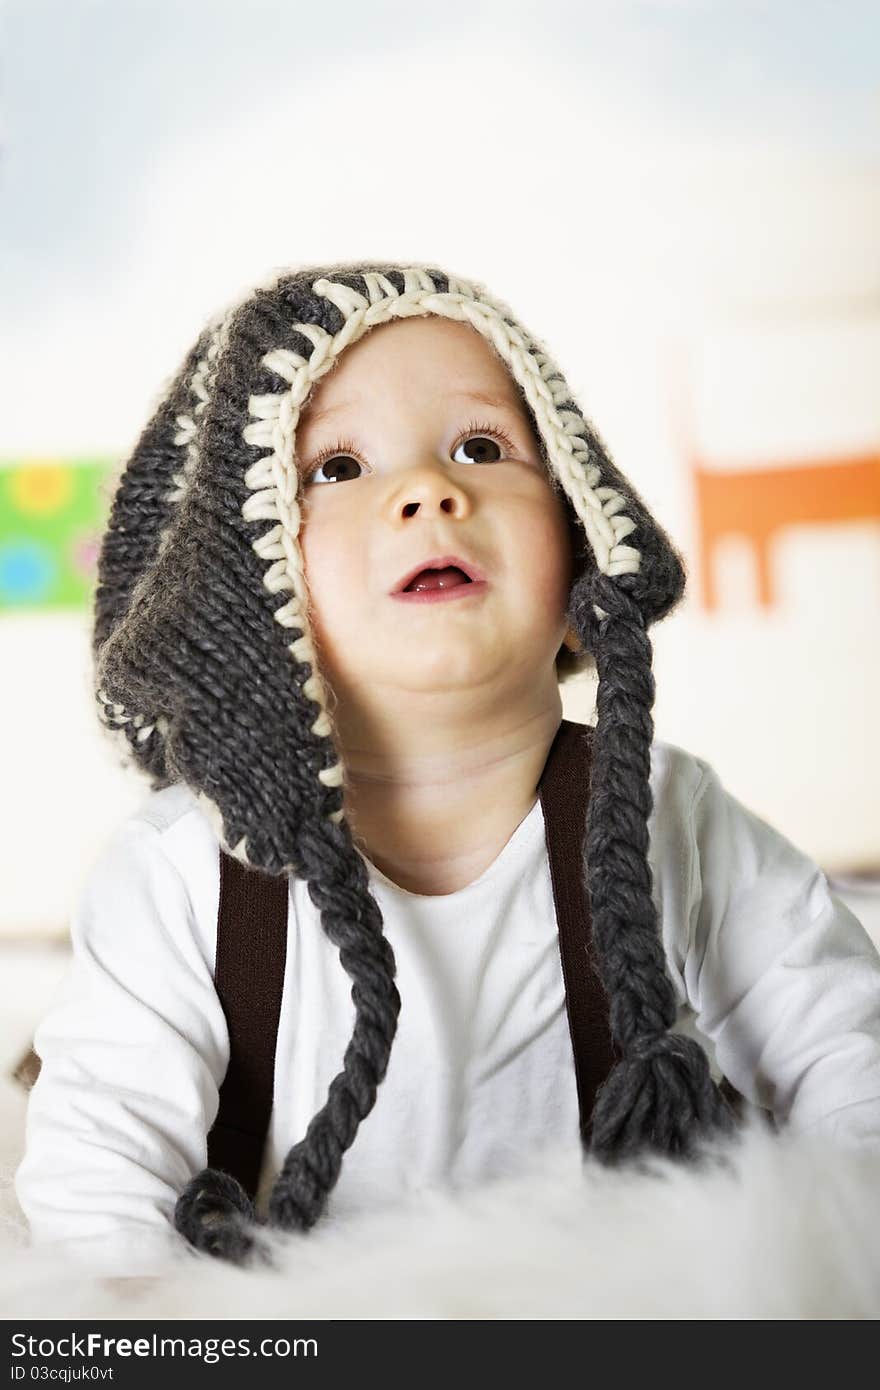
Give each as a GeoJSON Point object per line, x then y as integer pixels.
{"type": "Point", "coordinates": [681, 197]}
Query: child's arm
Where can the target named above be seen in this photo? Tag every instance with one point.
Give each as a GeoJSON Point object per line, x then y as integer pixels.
{"type": "Point", "coordinates": [133, 1052]}
{"type": "Point", "coordinates": [784, 979]}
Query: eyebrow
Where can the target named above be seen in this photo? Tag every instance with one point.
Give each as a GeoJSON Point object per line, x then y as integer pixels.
{"type": "Point", "coordinates": [483, 397]}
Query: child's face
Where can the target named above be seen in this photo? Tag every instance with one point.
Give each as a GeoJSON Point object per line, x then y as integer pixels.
{"type": "Point", "coordinates": [395, 415]}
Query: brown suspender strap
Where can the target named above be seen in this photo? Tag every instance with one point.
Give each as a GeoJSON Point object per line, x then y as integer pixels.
{"type": "Point", "coordinates": [564, 790]}
{"type": "Point", "coordinates": [251, 946]}
{"type": "Point", "coordinates": [249, 979]}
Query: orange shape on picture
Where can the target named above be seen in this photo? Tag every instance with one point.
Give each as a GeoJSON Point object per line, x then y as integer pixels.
{"type": "Point", "coordinates": [758, 502]}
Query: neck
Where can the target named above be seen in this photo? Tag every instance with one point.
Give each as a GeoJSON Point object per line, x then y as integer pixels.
{"type": "Point", "coordinates": [432, 801]}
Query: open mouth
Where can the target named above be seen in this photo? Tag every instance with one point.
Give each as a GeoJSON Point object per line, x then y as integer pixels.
{"type": "Point", "coordinates": [440, 572]}
{"type": "Point", "coordinates": [449, 578]}
{"type": "Point", "coordinates": [444, 581]}
{"type": "Point", "coordinates": [441, 579]}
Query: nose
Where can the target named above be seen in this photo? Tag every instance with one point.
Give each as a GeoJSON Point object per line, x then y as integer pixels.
{"type": "Point", "coordinates": [424, 490]}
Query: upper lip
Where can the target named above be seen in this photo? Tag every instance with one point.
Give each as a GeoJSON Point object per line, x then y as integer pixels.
{"type": "Point", "coordinates": [439, 562]}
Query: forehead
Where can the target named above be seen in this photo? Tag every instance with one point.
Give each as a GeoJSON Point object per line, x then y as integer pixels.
{"type": "Point", "coordinates": [427, 355]}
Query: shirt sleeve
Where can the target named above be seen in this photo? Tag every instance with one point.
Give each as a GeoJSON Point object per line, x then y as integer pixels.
{"type": "Point", "coordinates": [782, 976]}
{"type": "Point", "coordinates": [133, 1051]}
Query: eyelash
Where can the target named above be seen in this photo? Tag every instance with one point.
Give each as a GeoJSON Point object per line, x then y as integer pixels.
{"type": "Point", "coordinates": [476, 427]}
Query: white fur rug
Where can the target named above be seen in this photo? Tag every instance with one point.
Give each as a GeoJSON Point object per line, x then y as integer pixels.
{"type": "Point", "coordinates": [783, 1229]}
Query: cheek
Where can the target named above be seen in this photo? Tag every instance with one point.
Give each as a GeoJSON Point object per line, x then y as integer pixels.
{"type": "Point", "coordinates": [544, 551]}
{"type": "Point", "coordinates": [330, 570]}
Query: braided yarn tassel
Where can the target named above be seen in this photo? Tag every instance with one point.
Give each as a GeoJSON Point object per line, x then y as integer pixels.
{"type": "Point", "coordinates": [660, 1095]}
{"type": "Point", "coordinates": [217, 1217]}
{"type": "Point", "coordinates": [214, 1212]}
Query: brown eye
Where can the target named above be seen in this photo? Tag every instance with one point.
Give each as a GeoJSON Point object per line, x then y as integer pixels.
{"type": "Point", "coordinates": [338, 462]}
{"type": "Point", "coordinates": [478, 448]}
{"type": "Point", "coordinates": [483, 443]}
{"type": "Point", "coordinates": [337, 469]}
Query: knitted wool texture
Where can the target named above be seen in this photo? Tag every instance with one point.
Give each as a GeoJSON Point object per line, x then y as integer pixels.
{"type": "Point", "coordinates": [206, 672]}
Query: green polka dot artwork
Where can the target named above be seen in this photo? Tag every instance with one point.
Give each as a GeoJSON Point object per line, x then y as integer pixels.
{"type": "Point", "coordinates": [52, 514]}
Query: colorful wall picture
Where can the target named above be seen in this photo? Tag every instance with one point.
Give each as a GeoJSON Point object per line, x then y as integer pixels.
{"type": "Point", "coordinates": [52, 514]}
{"type": "Point", "coordinates": [779, 426]}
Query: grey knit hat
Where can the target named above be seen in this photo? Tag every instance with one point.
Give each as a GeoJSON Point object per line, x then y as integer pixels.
{"type": "Point", "coordinates": [206, 671]}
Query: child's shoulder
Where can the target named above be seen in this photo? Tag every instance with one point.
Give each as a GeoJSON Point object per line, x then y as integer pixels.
{"type": "Point", "coordinates": [165, 807]}
{"type": "Point", "coordinates": [163, 861]}
{"type": "Point", "coordinates": [170, 823]}
{"type": "Point", "coordinates": [676, 773]}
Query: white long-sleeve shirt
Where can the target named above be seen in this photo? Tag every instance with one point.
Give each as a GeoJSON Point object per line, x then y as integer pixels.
{"type": "Point", "coordinates": [772, 972]}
